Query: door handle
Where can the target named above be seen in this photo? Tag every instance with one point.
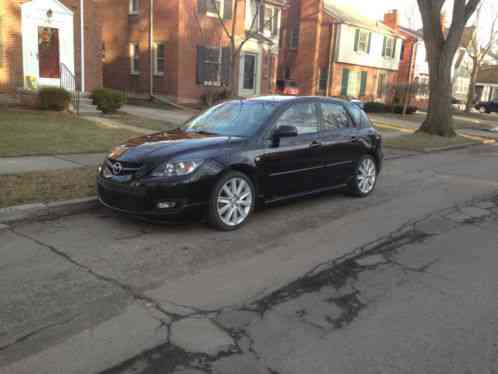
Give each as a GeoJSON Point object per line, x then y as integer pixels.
{"type": "Point", "coordinates": [315, 144]}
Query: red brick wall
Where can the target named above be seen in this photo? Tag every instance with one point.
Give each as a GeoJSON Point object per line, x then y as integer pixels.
{"type": "Point", "coordinates": [11, 74]}
{"type": "Point", "coordinates": [407, 63]}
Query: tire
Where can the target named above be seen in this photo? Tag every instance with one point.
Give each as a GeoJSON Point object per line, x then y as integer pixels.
{"type": "Point", "coordinates": [226, 211]}
{"type": "Point", "coordinates": [365, 177]}
{"type": "Point", "coordinates": [483, 110]}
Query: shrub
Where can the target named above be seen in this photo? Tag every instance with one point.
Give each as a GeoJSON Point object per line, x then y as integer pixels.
{"type": "Point", "coordinates": [54, 98]}
{"type": "Point", "coordinates": [109, 101]}
{"type": "Point", "coordinates": [214, 95]}
{"type": "Point", "coordinates": [375, 107]}
{"type": "Point", "coordinates": [97, 95]}
{"type": "Point", "coordinates": [398, 109]}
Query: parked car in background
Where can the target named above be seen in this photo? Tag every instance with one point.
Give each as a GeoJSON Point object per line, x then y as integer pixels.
{"type": "Point", "coordinates": [235, 153]}
{"type": "Point", "coordinates": [487, 106]}
{"type": "Point", "coordinates": [287, 87]}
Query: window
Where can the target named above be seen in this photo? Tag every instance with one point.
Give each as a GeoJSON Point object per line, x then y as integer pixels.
{"type": "Point", "coordinates": [322, 83]}
{"type": "Point", "coordinates": [213, 65]}
{"type": "Point", "coordinates": [303, 116]}
{"type": "Point", "coordinates": [214, 7]}
{"type": "Point", "coordinates": [159, 60]}
{"type": "Point", "coordinates": [359, 117]}
{"type": "Point", "coordinates": [294, 38]}
{"type": "Point", "coordinates": [270, 17]}
{"type": "Point", "coordinates": [134, 6]}
{"type": "Point", "coordinates": [462, 86]}
{"type": "Point", "coordinates": [402, 57]}
{"type": "Point", "coordinates": [335, 116]}
{"type": "Point", "coordinates": [134, 58]}
{"type": "Point", "coordinates": [354, 83]}
{"type": "Point", "coordinates": [362, 41]}
{"type": "Point", "coordinates": [381, 85]}
{"type": "Point", "coordinates": [389, 49]}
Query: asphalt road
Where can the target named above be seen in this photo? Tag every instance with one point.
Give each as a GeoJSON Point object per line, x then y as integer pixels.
{"type": "Point", "coordinates": [62, 277]}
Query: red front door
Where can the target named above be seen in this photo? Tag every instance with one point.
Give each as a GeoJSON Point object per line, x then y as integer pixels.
{"type": "Point", "coordinates": [48, 52]}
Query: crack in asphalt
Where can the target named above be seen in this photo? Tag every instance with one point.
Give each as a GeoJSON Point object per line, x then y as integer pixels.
{"type": "Point", "coordinates": [30, 334]}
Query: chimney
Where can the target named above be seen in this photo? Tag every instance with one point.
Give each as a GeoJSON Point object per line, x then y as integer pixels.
{"type": "Point", "coordinates": [391, 19]}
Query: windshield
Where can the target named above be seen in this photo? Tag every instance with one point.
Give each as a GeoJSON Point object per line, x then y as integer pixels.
{"type": "Point", "coordinates": [233, 118]}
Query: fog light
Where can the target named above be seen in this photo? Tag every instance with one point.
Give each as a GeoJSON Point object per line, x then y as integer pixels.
{"type": "Point", "coordinates": [166, 204]}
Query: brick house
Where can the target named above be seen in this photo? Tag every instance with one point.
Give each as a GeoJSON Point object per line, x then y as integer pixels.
{"type": "Point", "coordinates": [188, 51]}
{"type": "Point", "coordinates": [331, 50]}
{"type": "Point", "coordinates": [40, 44]}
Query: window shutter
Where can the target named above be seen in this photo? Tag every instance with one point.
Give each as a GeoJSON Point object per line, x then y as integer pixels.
{"type": "Point", "coordinates": [363, 86]}
{"type": "Point", "coordinates": [356, 39]}
{"type": "Point", "coordinates": [276, 13]}
{"type": "Point", "coordinates": [384, 47]}
{"type": "Point", "coordinates": [369, 42]}
{"type": "Point", "coordinates": [225, 66]}
{"type": "Point", "coordinates": [227, 9]}
{"type": "Point", "coordinates": [201, 6]}
{"type": "Point", "coordinates": [395, 42]}
{"type": "Point", "coordinates": [261, 16]}
{"type": "Point", "coordinates": [345, 82]}
{"type": "Point", "coordinates": [201, 56]}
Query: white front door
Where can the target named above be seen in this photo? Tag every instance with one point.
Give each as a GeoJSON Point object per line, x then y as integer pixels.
{"type": "Point", "coordinates": [47, 41]}
{"type": "Point", "coordinates": [249, 75]}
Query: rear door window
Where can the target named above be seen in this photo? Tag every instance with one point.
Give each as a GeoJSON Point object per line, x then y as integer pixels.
{"type": "Point", "coordinates": [360, 118]}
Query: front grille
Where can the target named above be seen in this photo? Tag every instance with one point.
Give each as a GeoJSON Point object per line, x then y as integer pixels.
{"type": "Point", "coordinates": [125, 202]}
{"type": "Point", "coordinates": [126, 168]}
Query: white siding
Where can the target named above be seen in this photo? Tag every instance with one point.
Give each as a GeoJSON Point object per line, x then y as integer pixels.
{"type": "Point", "coordinates": [347, 54]}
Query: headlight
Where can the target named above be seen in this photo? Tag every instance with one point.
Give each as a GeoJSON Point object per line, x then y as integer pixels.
{"type": "Point", "coordinates": [177, 168]}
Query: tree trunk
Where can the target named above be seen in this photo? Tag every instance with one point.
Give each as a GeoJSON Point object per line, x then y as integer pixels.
{"type": "Point", "coordinates": [234, 76]}
{"type": "Point", "coordinates": [439, 120]}
{"type": "Point", "coordinates": [472, 87]}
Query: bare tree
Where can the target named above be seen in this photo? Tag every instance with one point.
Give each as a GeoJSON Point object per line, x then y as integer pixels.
{"type": "Point", "coordinates": [478, 53]}
{"type": "Point", "coordinates": [441, 48]}
{"type": "Point", "coordinates": [232, 33]}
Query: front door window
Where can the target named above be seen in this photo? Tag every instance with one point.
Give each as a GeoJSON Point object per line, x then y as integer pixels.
{"type": "Point", "coordinates": [48, 52]}
{"type": "Point", "coordinates": [249, 72]}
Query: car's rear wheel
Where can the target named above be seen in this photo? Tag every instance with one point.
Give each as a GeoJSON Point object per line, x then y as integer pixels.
{"type": "Point", "coordinates": [483, 109]}
{"type": "Point", "coordinates": [232, 201]}
{"type": "Point", "coordinates": [365, 177]}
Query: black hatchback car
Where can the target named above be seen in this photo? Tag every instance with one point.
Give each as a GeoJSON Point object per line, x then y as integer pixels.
{"type": "Point", "coordinates": [242, 151]}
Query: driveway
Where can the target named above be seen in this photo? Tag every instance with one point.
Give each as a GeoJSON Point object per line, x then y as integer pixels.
{"type": "Point", "coordinates": [65, 280]}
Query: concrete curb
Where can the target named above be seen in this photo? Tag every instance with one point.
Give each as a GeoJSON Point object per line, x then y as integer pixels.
{"type": "Point", "coordinates": [26, 212]}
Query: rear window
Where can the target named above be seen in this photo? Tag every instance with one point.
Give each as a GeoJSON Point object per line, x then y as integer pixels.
{"type": "Point", "coordinates": [360, 118]}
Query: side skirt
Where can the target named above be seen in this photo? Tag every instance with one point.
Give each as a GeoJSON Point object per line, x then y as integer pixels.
{"type": "Point", "coordinates": [307, 193]}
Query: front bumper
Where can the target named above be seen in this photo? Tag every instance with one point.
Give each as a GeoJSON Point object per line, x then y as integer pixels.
{"type": "Point", "coordinates": [189, 196]}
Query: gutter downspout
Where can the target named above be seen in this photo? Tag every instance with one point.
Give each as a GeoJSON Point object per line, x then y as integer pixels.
{"type": "Point", "coordinates": [332, 48]}
{"type": "Point", "coordinates": [151, 49]}
{"type": "Point", "coordinates": [82, 44]}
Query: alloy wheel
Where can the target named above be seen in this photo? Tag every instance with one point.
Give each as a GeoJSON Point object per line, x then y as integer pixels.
{"type": "Point", "coordinates": [367, 175]}
{"type": "Point", "coordinates": [234, 201]}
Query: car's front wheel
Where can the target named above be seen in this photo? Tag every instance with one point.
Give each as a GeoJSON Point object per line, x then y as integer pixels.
{"type": "Point", "coordinates": [365, 177]}
{"type": "Point", "coordinates": [232, 201]}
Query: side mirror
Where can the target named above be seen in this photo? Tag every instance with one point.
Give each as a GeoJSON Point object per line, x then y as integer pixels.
{"type": "Point", "coordinates": [285, 131]}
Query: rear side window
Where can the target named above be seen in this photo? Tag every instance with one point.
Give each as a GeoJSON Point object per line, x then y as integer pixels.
{"type": "Point", "coordinates": [303, 116]}
{"type": "Point", "coordinates": [359, 117]}
{"type": "Point", "coordinates": [335, 117]}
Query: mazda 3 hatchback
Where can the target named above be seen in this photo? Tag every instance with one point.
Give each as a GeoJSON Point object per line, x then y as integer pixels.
{"type": "Point", "coordinates": [220, 163]}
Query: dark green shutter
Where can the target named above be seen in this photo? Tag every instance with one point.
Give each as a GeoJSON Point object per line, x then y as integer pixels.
{"type": "Point", "coordinates": [227, 9]}
{"type": "Point", "coordinates": [261, 16]}
{"type": "Point", "coordinates": [201, 6]}
{"type": "Point", "coordinates": [363, 85]}
{"type": "Point", "coordinates": [384, 47]}
{"type": "Point", "coordinates": [394, 48]}
{"type": "Point", "coordinates": [201, 52]}
{"type": "Point", "coordinates": [369, 41]}
{"type": "Point", "coordinates": [356, 39]}
{"type": "Point", "coordinates": [225, 66]}
{"type": "Point", "coordinates": [345, 82]}
{"type": "Point", "coordinates": [276, 12]}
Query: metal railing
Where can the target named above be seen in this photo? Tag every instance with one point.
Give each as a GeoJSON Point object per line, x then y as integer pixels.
{"type": "Point", "coordinates": [68, 82]}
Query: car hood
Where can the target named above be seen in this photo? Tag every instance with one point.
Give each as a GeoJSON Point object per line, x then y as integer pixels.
{"type": "Point", "coordinates": [168, 144]}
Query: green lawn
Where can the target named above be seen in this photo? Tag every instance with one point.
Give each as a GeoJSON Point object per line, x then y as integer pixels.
{"type": "Point", "coordinates": [131, 120]}
{"type": "Point", "coordinates": [424, 142]}
{"type": "Point", "coordinates": [47, 186]}
{"type": "Point", "coordinates": [24, 133]}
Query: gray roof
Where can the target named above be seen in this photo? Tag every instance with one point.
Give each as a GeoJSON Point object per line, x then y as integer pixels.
{"type": "Point", "coordinates": [347, 14]}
